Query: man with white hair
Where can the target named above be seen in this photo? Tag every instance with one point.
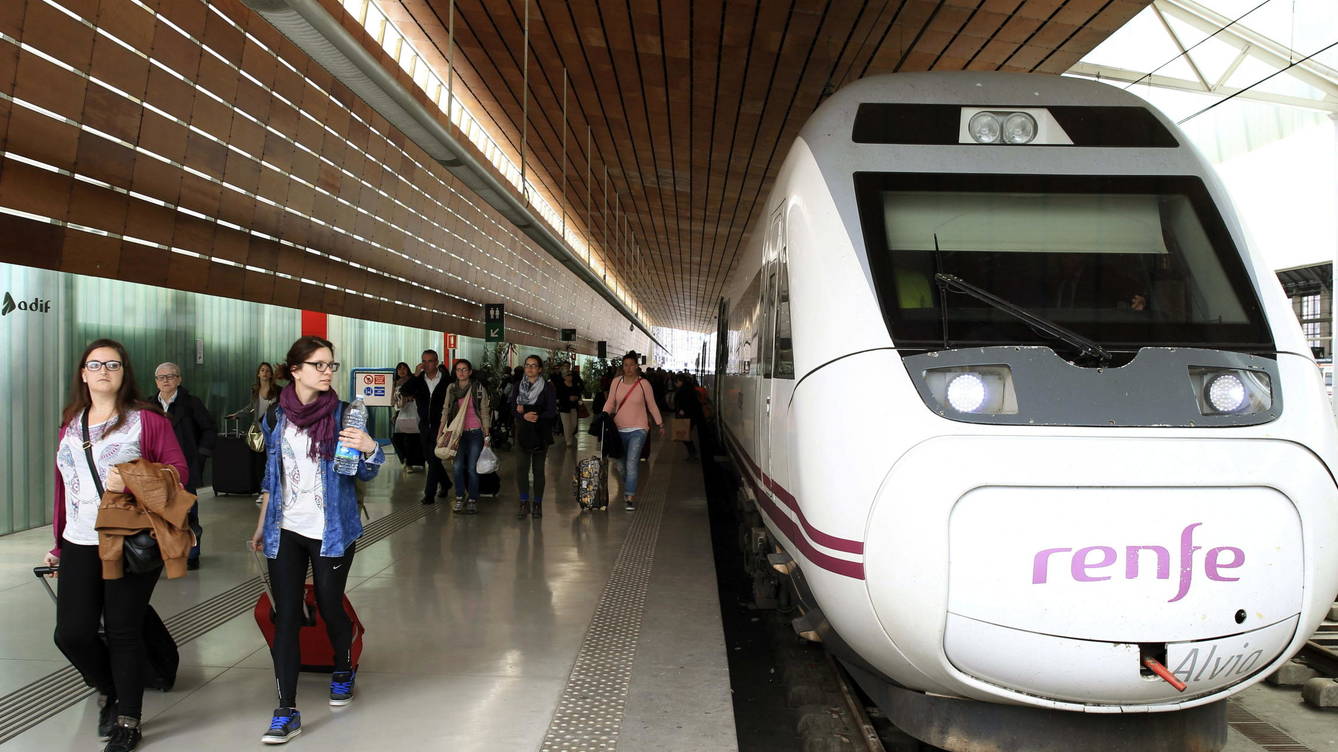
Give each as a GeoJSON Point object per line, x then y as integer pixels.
{"type": "Point", "coordinates": [194, 427]}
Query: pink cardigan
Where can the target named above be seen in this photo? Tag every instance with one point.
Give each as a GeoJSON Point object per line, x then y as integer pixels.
{"type": "Point", "coordinates": [633, 403]}
{"type": "Point", "coordinates": [157, 443]}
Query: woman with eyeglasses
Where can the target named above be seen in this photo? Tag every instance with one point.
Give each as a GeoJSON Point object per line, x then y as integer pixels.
{"type": "Point", "coordinates": [468, 394]}
{"type": "Point", "coordinates": [121, 427]}
{"type": "Point", "coordinates": [533, 402]}
{"type": "Point", "coordinates": [309, 517]}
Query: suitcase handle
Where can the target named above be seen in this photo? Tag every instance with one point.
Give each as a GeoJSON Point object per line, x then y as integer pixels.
{"type": "Point", "coordinates": [308, 616]}
{"type": "Point", "coordinates": [43, 575]}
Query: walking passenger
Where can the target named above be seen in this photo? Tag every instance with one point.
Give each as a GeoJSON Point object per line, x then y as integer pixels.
{"type": "Point", "coordinates": [470, 395]}
{"type": "Point", "coordinates": [404, 433]}
{"type": "Point", "coordinates": [569, 392]}
{"type": "Point", "coordinates": [533, 404]}
{"type": "Point", "coordinates": [104, 424]}
{"type": "Point", "coordinates": [429, 394]}
{"type": "Point", "coordinates": [264, 392]}
{"type": "Point", "coordinates": [630, 402]}
{"type": "Point", "coordinates": [195, 431]}
{"type": "Point", "coordinates": [687, 406]}
{"type": "Point", "coordinates": [309, 517]}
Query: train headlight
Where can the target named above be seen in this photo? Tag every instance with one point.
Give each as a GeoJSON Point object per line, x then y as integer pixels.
{"type": "Point", "coordinates": [1231, 391]}
{"type": "Point", "coordinates": [985, 128]}
{"type": "Point", "coordinates": [1019, 128]}
{"type": "Point", "coordinates": [966, 392]}
{"type": "Point", "coordinates": [973, 389]}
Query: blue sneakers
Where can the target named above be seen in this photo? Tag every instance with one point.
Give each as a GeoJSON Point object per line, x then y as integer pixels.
{"type": "Point", "coordinates": [341, 687]}
{"type": "Point", "coordinates": [286, 724]}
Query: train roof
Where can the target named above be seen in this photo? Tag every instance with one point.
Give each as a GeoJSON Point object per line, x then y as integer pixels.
{"type": "Point", "coordinates": [966, 88]}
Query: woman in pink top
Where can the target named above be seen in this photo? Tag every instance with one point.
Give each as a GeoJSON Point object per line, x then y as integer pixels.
{"type": "Point", "coordinates": [465, 393]}
{"type": "Point", "coordinates": [631, 402]}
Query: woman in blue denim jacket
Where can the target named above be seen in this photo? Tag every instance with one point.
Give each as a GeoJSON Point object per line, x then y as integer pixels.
{"type": "Point", "coordinates": [309, 516]}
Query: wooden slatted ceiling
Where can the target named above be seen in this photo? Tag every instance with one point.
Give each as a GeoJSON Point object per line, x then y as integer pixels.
{"type": "Point", "coordinates": [692, 104]}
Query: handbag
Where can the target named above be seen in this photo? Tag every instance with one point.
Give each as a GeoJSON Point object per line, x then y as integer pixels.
{"type": "Point", "coordinates": [448, 441]}
{"type": "Point", "coordinates": [582, 411]}
{"type": "Point", "coordinates": [682, 429]}
{"type": "Point", "coordinates": [140, 549]}
{"type": "Point", "coordinates": [255, 438]}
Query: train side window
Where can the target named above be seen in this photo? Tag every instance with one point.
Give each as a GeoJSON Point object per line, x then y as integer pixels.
{"type": "Point", "coordinates": [768, 320]}
{"type": "Point", "coordinates": [783, 352]}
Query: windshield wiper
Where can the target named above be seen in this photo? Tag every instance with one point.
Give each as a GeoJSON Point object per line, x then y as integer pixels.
{"type": "Point", "coordinates": [1086, 347]}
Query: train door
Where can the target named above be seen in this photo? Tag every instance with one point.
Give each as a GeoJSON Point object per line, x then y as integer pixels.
{"type": "Point", "coordinates": [772, 247]}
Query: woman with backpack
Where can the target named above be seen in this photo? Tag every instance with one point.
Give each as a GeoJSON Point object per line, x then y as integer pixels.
{"type": "Point", "coordinates": [533, 404]}
{"type": "Point", "coordinates": [470, 395]}
{"type": "Point", "coordinates": [310, 516]}
{"type": "Point", "coordinates": [631, 401]}
{"type": "Point", "coordinates": [105, 424]}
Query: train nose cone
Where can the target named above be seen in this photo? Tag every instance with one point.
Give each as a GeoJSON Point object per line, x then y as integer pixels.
{"type": "Point", "coordinates": [1063, 592]}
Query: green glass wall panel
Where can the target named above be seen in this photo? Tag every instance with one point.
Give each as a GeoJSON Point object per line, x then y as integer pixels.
{"type": "Point", "coordinates": [218, 343]}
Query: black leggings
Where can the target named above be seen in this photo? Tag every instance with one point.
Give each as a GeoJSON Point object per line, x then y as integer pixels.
{"type": "Point", "coordinates": [288, 577]}
{"type": "Point", "coordinates": [83, 601]}
{"type": "Point", "coordinates": [531, 461]}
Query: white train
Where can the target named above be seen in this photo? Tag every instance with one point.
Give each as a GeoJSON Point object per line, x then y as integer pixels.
{"type": "Point", "coordinates": [1040, 432]}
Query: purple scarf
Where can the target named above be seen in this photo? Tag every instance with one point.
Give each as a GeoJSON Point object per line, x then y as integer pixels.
{"type": "Point", "coordinates": [316, 419]}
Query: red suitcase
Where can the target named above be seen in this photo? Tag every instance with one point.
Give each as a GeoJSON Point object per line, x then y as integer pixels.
{"type": "Point", "coordinates": [317, 652]}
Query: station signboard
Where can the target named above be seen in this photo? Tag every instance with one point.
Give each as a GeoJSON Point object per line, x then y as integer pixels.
{"type": "Point", "coordinates": [376, 386]}
{"type": "Point", "coordinates": [494, 322]}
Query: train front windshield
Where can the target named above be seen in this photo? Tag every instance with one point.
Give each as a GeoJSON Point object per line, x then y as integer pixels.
{"type": "Point", "coordinates": [1126, 261]}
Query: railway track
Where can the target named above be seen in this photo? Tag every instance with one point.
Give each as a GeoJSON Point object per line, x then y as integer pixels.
{"type": "Point", "coordinates": [1321, 651]}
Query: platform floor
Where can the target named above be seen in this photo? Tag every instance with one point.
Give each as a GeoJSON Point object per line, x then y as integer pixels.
{"type": "Point", "coordinates": [578, 631]}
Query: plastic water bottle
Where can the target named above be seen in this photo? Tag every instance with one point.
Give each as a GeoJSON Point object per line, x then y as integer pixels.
{"type": "Point", "coordinates": [346, 457]}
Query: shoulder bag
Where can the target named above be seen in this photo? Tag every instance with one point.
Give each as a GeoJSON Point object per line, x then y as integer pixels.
{"type": "Point", "coordinates": [448, 441]}
{"type": "Point", "coordinates": [140, 549]}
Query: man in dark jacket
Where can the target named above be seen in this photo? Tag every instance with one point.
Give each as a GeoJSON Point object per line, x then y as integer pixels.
{"type": "Point", "coordinates": [427, 387]}
{"type": "Point", "coordinates": [194, 427]}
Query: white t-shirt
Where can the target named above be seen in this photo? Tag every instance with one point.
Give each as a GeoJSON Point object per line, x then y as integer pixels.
{"type": "Point", "coordinates": [432, 383]}
{"type": "Point", "coordinates": [81, 494]}
{"type": "Point", "coordinates": [303, 486]}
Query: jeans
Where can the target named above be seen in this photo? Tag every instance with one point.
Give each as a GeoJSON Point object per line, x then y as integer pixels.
{"type": "Point", "coordinates": [83, 600]}
{"type": "Point", "coordinates": [288, 577]}
{"type": "Point", "coordinates": [632, 443]}
{"type": "Point", "coordinates": [466, 464]}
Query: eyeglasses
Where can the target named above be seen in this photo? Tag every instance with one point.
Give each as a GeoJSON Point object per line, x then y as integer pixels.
{"type": "Point", "coordinates": [322, 366]}
{"type": "Point", "coordinates": [98, 365]}
{"type": "Point", "coordinates": [167, 377]}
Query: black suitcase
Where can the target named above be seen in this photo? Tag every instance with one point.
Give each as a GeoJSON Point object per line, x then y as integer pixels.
{"type": "Point", "coordinates": [235, 465]}
{"type": "Point", "coordinates": [490, 484]}
{"type": "Point", "coordinates": [161, 655]}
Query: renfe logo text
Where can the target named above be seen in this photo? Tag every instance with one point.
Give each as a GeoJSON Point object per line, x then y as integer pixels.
{"type": "Point", "coordinates": [1098, 563]}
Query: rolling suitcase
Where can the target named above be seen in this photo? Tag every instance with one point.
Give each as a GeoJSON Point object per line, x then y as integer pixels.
{"type": "Point", "coordinates": [590, 486]}
{"type": "Point", "coordinates": [160, 650]}
{"type": "Point", "coordinates": [490, 484]}
{"type": "Point", "coordinates": [316, 650]}
{"type": "Point", "coordinates": [235, 464]}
